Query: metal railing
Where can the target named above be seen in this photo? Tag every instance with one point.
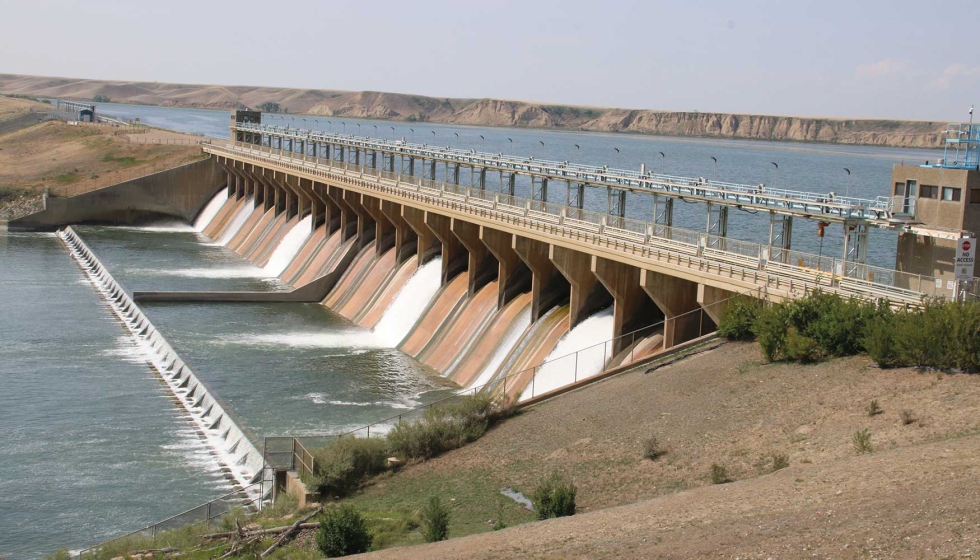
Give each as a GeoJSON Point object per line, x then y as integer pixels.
{"type": "Point", "coordinates": [203, 514]}
{"type": "Point", "coordinates": [788, 270]}
{"type": "Point", "coordinates": [828, 205]}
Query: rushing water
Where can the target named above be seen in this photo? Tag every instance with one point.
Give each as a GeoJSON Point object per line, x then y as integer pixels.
{"type": "Point", "coordinates": [291, 243]}
{"type": "Point", "coordinates": [90, 444]}
{"type": "Point", "coordinates": [409, 304]}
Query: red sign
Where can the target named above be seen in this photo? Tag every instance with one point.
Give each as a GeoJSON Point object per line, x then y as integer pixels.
{"type": "Point", "coordinates": [966, 245]}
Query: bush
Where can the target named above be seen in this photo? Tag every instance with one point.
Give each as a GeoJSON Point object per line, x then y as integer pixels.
{"type": "Point", "coordinates": [435, 520]}
{"type": "Point", "coordinates": [339, 467]}
{"type": "Point", "coordinates": [779, 462]}
{"type": "Point", "coordinates": [874, 409]}
{"type": "Point", "coordinates": [652, 449]}
{"type": "Point", "coordinates": [739, 317]}
{"type": "Point", "coordinates": [862, 441]}
{"type": "Point", "coordinates": [943, 335]}
{"type": "Point", "coordinates": [554, 497]}
{"type": "Point", "coordinates": [770, 330]}
{"type": "Point", "coordinates": [445, 428]}
{"type": "Point", "coordinates": [719, 474]}
{"type": "Point", "coordinates": [342, 532]}
{"type": "Point", "coordinates": [908, 417]}
{"type": "Point", "coordinates": [801, 348]}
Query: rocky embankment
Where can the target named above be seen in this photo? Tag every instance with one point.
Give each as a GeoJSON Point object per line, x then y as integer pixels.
{"type": "Point", "coordinates": [16, 204]}
{"type": "Point", "coordinates": [491, 112]}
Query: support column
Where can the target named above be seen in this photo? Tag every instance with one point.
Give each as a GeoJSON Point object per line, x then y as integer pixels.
{"type": "Point", "coordinates": [714, 301]}
{"type": "Point", "coordinates": [406, 240]}
{"type": "Point", "coordinates": [332, 214]}
{"type": "Point", "coordinates": [429, 246]}
{"type": "Point", "coordinates": [513, 276]}
{"type": "Point", "coordinates": [455, 258]}
{"type": "Point", "coordinates": [587, 294]}
{"type": "Point", "coordinates": [384, 230]}
{"type": "Point", "coordinates": [632, 309]}
{"type": "Point", "coordinates": [348, 219]}
{"type": "Point", "coordinates": [481, 263]}
{"type": "Point", "coordinates": [677, 299]}
{"type": "Point", "coordinates": [548, 287]}
{"type": "Point", "coordinates": [365, 223]}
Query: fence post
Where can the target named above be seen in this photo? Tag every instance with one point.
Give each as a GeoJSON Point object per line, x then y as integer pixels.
{"type": "Point", "coordinates": [534, 373]}
{"type": "Point", "coordinates": [575, 380]}
{"type": "Point", "coordinates": [208, 518]}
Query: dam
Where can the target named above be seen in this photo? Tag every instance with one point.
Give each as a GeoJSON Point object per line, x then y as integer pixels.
{"type": "Point", "coordinates": [385, 274]}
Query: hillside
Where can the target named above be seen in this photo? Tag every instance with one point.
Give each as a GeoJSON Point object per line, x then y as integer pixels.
{"type": "Point", "coordinates": [490, 112]}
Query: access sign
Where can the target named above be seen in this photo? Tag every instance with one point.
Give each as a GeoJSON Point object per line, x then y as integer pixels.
{"type": "Point", "coordinates": [966, 251]}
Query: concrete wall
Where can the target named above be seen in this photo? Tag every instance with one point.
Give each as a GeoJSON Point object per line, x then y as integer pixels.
{"type": "Point", "coordinates": [178, 193]}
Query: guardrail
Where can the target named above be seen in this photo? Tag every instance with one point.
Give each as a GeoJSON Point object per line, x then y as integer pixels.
{"type": "Point", "coordinates": [792, 271]}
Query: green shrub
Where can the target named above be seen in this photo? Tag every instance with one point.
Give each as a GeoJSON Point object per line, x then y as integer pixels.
{"type": "Point", "coordinates": [770, 330]}
{"type": "Point", "coordinates": [435, 520]}
{"type": "Point", "coordinates": [874, 409]}
{"type": "Point", "coordinates": [862, 441]}
{"type": "Point", "coordinates": [943, 335]}
{"type": "Point", "coordinates": [739, 317]}
{"type": "Point", "coordinates": [340, 466]}
{"type": "Point", "coordinates": [445, 428]}
{"type": "Point", "coordinates": [554, 497]}
{"type": "Point", "coordinates": [879, 341]}
{"type": "Point", "coordinates": [801, 348]}
{"type": "Point", "coordinates": [719, 474]}
{"type": "Point", "coordinates": [342, 532]}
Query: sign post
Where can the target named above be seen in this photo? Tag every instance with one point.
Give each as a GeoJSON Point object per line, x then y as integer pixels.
{"type": "Point", "coordinates": [966, 251]}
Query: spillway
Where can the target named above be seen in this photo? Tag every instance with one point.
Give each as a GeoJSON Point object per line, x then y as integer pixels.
{"type": "Point", "coordinates": [207, 215]}
{"type": "Point", "coordinates": [236, 222]}
{"type": "Point", "coordinates": [511, 338]}
{"type": "Point", "coordinates": [577, 356]}
{"type": "Point", "coordinates": [409, 304]}
{"type": "Point", "coordinates": [291, 243]}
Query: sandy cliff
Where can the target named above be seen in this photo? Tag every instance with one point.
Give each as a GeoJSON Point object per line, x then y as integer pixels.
{"type": "Point", "coordinates": [491, 112]}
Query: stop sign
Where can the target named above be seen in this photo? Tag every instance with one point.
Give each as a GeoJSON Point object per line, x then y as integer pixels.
{"type": "Point", "coordinates": [966, 245]}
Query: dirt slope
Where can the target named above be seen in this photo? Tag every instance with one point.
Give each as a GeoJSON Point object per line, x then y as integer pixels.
{"type": "Point", "coordinates": [726, 407]}
{"type": "Point", "coordinates": [490, 112]}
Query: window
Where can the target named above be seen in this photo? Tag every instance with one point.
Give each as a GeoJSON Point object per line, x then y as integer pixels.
{"type": "Point", "coordinates": [974, 196]}
{"type": "Point", "coordinates": [928, 191]}
{"type": "Point", "coordinates": [949, 193]}
{"type": "Point", "coordinates": [899, 189]}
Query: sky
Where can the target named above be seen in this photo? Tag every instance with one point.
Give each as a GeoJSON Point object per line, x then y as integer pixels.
{"type": "Point", "coordinates": [858, 58]}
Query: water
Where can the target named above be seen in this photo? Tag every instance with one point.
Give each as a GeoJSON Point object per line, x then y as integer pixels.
{"type": "Point", "coordinates": [291, 243]}
{"type": "Point", "coordinates": [409, 304]}
{"type": "Point", "coordinates": [90, 443]}
{"type": "Point", "coordinates": [236, 222]}
{"type": "Point", "coordinates": [806, 167]}
{"type": "Point", "coordinates": [588, 340]}
{"type": "Point", "coordinates": [209, 212]}
{"type": "Point", "coordinates": [511, 339]}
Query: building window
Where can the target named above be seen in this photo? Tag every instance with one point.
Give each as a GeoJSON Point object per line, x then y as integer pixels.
{"type": "Point", "coordinates": [949, 193]}
{"type": "Point", "coordinates": [899, 189]}
{"type": "Point", "coordinates": [974, 196]}
{"type": "Point", "coordinates": [928, 191]}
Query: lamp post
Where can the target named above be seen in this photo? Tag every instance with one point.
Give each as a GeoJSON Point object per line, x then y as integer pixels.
{"type": "Point", "coordinates": [578, 150]}
{"type": "Point", "coordinates": [775, 173]}
{"type": "Point", "coordinates": [511, 140]}
{"type": "Point", "coordinates": [663, 162]}
{"type": "Point", "coordinates": [456, 134]}
{"type": "Point", "coordinates": [847, 187]}
{"type": "Point", "coordinates": [413, 135]}
{"type": "Point", "coordinates": [392, 133]}
{"type": "Point", "coordinates": [714, 168]}
{"type": "Point", "coordinates": [358, 129]}
{"type": "Point", "coordinates": [330, 126]}
{"type": "Point", "coordinates": [345, 126]}
{"type": "Point", "coordinates": [483, 142]}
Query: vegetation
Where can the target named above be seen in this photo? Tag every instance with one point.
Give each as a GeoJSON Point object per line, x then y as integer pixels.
{"type": "Point", "coordinates": [554, 497]}
{"type": "Point", "coordinates": [908, 417]}
{"type": "Point", "coordinates": [101, 98]}
{"type": "Point", "coordinates": [652, 448]}
{"type": "Point", "coordinates": [719, 474]}
{"type": "Point", "coordinates": [435, 520]}
{"type": "Point", "coordinates": [342, 533]}
{"type": "Point", "coordinates": [779, 462]}
{"type": "Point", "coordinates": [340, 466]}
{"type": "Point", "coordinates": [944, 335]}
{"type": "Point", "coordinates": [874, 409]}
{"type": "Point", "coordinates": [269, 107]}
{"type": "Point", "coordinates": [862, 441]}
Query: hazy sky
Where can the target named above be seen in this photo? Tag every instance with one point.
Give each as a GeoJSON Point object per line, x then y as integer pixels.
{"type": "Point", "coordinates": [900, 58]}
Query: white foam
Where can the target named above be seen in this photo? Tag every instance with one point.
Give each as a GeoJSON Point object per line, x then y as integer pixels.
{"type": "Point", "coordinates": [300, 339]}
{"type": "Point", "coordinates": [291, 243]}
{"type": "Point", "coordinates": [207, 215]}
{"type": "Point", "coordinates": [511, 338]}
{"type": "Point", "coordinates": [409, 303]}
{"type": "Point", "coordinates": [164, 227]}
{"type": "Point", "coordinates": [237, 221]}
{"type": "Point", "coordinates": [218, 272]}
{"type": "Point", "coordinates": [561, 367]}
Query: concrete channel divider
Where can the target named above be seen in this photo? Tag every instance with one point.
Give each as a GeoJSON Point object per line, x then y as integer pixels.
{"type": "Point", "coordinates": [243, 464]}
